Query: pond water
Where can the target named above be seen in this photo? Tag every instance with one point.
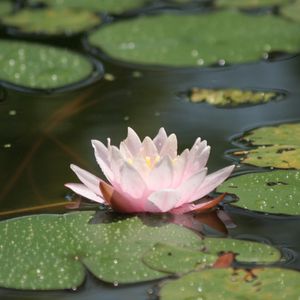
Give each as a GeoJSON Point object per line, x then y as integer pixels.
{"type": "Point", "coordinates": [42, 133]}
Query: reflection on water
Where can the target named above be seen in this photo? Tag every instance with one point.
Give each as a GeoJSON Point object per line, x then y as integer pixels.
{"type": "Point", "coordinates": [41, 134]}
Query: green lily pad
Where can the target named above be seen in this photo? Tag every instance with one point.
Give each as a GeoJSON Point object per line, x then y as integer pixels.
{"type": "Point", "coordinates": [52, 21]}
{"type": "Point", "coordinates": [111, 6]}
{"type": "Point", "coordinates": [47, 252]}
{"type": "Point", "coordinates": [273, 283]}
{"type": "Point", "coordinates": [230, 97]}
{"type": "Point", "coordinates": [249, 3]}
{"type": "Point", "coordinates": [172, 259]}
{"type": "Point", "coordinates": [5, 8]}
{"type": "Point", "coordinates": [292, 11]}
{"type": "Point", "coordinates": [275, 192]}
{"type": "Point", "coordinates": [37, 66]}
{"type": "Point", "coordinates": [278, 146]}
{"type": "Point", "coordinates": [163, 40]}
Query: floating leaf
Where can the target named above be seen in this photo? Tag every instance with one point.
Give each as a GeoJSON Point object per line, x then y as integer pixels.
{"type": "Point", "coordinates": [230, 97]}
{"type": "Point", "coordinates": [275, 192]}
{"type": "Point", "coordinates": [163, 40]}
{"type": "Point", "coordinates": [37, 66]}
{"type": "Point", "coordinates": [249, 3]}
{"type": "Point", "coordinates": [292, 11]}
{"type": "Point", "coordinates": [273, 283]}
{"type": "Point", "coordinates": [50, 251]}
{"type": "Point", "coordinates": [111, 6]}
{"type": "Point", "coordinates": [5, 7]}
{"type": "Point", "coordinates": [173, 259]}
{"type": "Point", "coordinates": [278, 146]}
{"type": "Point", "coordinates": [52, 21]}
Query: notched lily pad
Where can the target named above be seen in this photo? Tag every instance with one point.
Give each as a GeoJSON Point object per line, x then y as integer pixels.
{"type": "Point", "coordinates": [230, 97]}
{"type": "Point", "coordinates": [46, 252]}
{"type": "Point", "coordinates": [38, 66]}
{"type": "Point", "coordinates": [110, 6]}
{"type": "Point", "coordinates": [52, 21]}
{"type": "Point", "coordinates": [275, 192]}
{"type": "Point", "coordinates": [172, 259]}
{"type": "Point", "coordinates": [250, 3]}
{"type": "Point", "coordinates": [163, 40]}
{"type": "Point", "coordinates": [273, 283]}
{"type": "Point", "coordinates": [292, 11]}
{"type": "Point", "coordinates": [277, 146]}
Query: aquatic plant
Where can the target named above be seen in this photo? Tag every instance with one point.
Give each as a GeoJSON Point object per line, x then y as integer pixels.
{"type": "Point", "coordinates": [149, 175]}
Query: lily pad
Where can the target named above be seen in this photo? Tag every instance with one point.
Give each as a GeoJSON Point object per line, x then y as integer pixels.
{"type": "Point", "coordinates": [37, 66]}
{"type": "Point", "coordinates": [172, 259]}
{"type": "Point", "coordinates": [292, 11]}
{"type": "Point", "coordinates": [163, 40]}
{"type": "Point", "coordinates": [52, 21]}
{"type": "Point", "coordinates": [249, 3]}
{"type": "Point", "coordinates": [5, 7]}
{"type": "Point", "coordinates": [110, 6]}
{"type": "Point", "coordinates": [275, 192]}
{"type": "Point", "coordinates": [278, 146]}
{"type": "Point", "coordinates": [273, 283]}
{"type": "Point", "coordinates": [230, 97]}
{"type": "Point", "coordinates": [47, 252]}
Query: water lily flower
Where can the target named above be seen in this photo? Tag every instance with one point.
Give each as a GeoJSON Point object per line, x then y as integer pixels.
{"type": "Point", "coordinates": [149, 176]}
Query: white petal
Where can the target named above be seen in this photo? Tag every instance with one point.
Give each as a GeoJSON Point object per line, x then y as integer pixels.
{"type": "Point", "coordinates": [133, 142]}
{"type": "Point", "coordinates": [170, 147]}
{"type": "Point", "coordinates": [211, 182]}
{"type": "Point", "coordinates": [82, 190]}
{"type": "Point", "coordinates": [88, 179]}
{"type": "Point", "coordinates": [116, 162]}
{"type": "Point", "coordinates": [188, 187]}
{"type": "Point", "coordinates": [162, 201]}
{"type": "Point", "coordinates": [101, 154]}
{"type": "Point", "coordinates": [197, 161]}
{"type": "Point", "coordinates": [161, 176]}
{"type": "Point", "coordinates": [160, 139]}
{"type": "Point", "coordinates": [179, 167]}
{"type": "Point", "coordinates": [148, 148]}
{"type": "Point", "coordinates": [131, 181]}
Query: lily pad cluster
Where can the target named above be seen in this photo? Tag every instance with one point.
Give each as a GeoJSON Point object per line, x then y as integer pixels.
{"type": "Point", "coordinates": [45, 252]}
{"type": "Point", "coordinates": [276, 146]}
{"type": "Point", "coordinates": [110, 6]}
{"type": "Point", "coordinates": [52, 21]}
{"type": "Point", "coordinates": [250, 3]}
{"type": "Point", "coordinates": [6, 7]}
{"type": "Point", "coordinates": [38, 66]}
{"type": "Point", "coordinates": [275, 192]}
{"type": "Point", "coordinates": [163, 40]}
{"type": "Point", "coordinates": [292, 11]}
{"type": "Point", "coordinates": [230, 97]}
{"type": "Point", "coordinates": [233, 284]}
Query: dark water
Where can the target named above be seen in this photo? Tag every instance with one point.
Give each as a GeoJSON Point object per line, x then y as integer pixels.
{"type": "Point", "coordinates": [41, 134]}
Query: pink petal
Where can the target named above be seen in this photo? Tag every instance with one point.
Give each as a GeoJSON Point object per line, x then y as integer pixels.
{"type": "Point", "coordinates": [131, 181]}
{"type": "Point", "coordinates": [204, 205]}
{"type": "Point", "coordinates": [211, 182]}
{"type": "Point", "coordinates": [82, 190]}
{"type": "Point", "coordinates": [188, 187]}
{"type": "Point", "coordinates": [101, 154]}
{"type": "Point", "coordinates": [160, 139]}
{"type": "Point", "coordinates": [89, 180]}
{"type": "Point", "coordinates": [119, 201]}
{"type": "Point", "coordinates": [133, 142]}
{"type": "Point", "coordinates": [161, 175]}
{"type": "Point", "coordinates": [170, 147]}
{"type": "Point", "coordinates": [148, 148]}
{"type": "Point", "coordinates": [162, 201]}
